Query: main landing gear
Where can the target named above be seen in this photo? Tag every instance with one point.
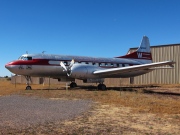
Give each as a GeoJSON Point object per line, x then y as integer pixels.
{"type": "Point", "coordinates": [73, 85]}
{"type": "Point", "coordinates": [28, 79]}
{"type": "Point", "coordinates": [101, 86]}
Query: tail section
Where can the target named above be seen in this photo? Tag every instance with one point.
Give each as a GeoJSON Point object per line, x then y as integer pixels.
{"type": "Point", "coordinates": [142, 54]}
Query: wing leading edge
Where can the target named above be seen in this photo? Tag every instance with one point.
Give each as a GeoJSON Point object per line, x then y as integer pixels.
{"type": "Point", "coordinates": [121, 70]}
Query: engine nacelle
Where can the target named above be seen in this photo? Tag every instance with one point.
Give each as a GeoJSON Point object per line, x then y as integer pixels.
{"type": "Point", "coordinates": [83, 71]}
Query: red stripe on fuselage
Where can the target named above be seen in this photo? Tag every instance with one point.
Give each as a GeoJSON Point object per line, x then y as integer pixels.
{"type": "Point", "coordinates": [137, 55]}
{"type": "Point", "coordinates": [30, 62]}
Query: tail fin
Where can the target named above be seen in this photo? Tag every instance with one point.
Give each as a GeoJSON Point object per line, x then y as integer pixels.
{"type": "Point", "coordinates": [142, 54]}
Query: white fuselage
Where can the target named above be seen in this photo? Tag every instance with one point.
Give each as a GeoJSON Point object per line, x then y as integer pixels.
{"type": "Point", "coordinates": [46, 65]}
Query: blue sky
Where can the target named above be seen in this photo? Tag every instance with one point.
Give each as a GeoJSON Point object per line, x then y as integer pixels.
{"type": "Point", "coordinates": [100, 28]}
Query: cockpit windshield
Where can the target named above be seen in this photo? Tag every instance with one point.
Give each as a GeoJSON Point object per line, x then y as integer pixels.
{"type": "Point", "coordinates": [25, 58]}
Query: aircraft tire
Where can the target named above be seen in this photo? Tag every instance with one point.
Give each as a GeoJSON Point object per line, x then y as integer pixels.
{"type": "Point", "coordinates": [73, 85]}
{"type": "Point", "coordinates": [101, 87]}
{"type": "Point", "coordinates": [28, 88]}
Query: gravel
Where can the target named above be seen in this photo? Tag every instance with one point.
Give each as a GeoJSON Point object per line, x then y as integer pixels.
{"type": "Point", "coordinates": [20, 111]}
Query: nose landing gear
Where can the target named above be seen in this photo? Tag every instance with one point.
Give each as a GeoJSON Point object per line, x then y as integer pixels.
{"type": "Point", "coordinates": [28, 79]}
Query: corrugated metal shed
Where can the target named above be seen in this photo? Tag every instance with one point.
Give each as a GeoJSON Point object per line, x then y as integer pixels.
{"type": "Point", "coordinates": [162, 76]}
{"type": "Point", "coordinates": [110, 82]}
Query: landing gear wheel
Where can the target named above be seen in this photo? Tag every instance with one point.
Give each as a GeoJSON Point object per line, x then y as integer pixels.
{"type": "Point", "coordinates": [101, 87]}
{"type": "Point", "coordinates": [28, 88]}
{"type": "Point", "coordinates": [73, 85]}
{"type": "Point", "coordinates": [28, 79]}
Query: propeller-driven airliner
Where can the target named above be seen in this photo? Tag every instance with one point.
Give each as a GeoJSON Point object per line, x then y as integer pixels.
{"type": "Point", "coordinates": [89, 69]}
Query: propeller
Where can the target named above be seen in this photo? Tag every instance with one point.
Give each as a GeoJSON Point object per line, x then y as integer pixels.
{"type": "Point", "coordinates": [67, 69]}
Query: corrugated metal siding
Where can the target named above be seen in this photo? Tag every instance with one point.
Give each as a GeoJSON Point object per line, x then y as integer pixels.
{"type": "Point", "coordinates": [35, 80]}
{"type": "Point", "coordinates": [162, 76]}
{"type": "Point", "coordinates": [110, 82]}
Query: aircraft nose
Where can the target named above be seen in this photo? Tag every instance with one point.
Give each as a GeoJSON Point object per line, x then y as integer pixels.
{"type": "Point", "coordinates": [9, 66]}
{"type": "Point", "coordinates": [13, 67]}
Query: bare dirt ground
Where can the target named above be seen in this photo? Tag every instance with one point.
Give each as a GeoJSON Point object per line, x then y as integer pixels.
{"type": "Point", "coordinates": [126, 110]}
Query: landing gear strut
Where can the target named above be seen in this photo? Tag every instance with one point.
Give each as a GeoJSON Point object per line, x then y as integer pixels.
{"type": "Point", "coordinates": [28, 79]}
{"type": "Point", "coordinates": [73, 85]}
{"type": "Point", "coordinates": [101, 86]}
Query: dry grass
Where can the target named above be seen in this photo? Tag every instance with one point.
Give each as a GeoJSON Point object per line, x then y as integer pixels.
{"type": "Point", "coordinates": [138, 100]}
{"type": "Point", "coordinates": [129, 111]}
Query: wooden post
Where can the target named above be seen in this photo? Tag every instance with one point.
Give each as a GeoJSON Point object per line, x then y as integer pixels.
{"type": "Point", "coordinates": [120, 85]}
{"type": "Point", "coordinates": [15, 80]}
{"type": "Point", "coordinates": [49, 83]}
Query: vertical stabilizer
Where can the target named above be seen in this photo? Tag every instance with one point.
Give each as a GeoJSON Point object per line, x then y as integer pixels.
{"type": "Point", "coordinates": [145, 45]}
{"type": "Point", "coordinates": [142, 54]}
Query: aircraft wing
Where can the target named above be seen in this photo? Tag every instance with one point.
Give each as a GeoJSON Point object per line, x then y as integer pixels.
{"type": "Point", "coordinates": [120, 70]}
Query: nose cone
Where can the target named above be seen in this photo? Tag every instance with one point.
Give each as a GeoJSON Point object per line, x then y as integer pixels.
{"type": "Point", "coordinates": [10, 66]}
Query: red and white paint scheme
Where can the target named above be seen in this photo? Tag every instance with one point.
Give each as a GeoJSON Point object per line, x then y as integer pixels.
{"type": "Point", "coordinates": [88, 69]}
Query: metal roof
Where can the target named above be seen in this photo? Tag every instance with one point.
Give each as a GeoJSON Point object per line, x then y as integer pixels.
{"type": "Point", "coordinates": [154, 46]}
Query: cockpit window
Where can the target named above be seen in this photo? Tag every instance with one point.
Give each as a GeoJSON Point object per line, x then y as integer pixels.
{"type": "Point", "coordinates": [20, 57]}
{"type": "Point", "coordinates": [25, 58]}
{"type": "Point", "coordinates": [29, 58]}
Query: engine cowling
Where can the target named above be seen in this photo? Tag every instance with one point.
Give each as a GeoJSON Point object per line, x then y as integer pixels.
{"type": "Point", "coordinates": [83, 71]}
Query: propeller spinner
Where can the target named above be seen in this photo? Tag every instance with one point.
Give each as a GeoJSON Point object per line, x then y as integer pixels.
{"type": "Point", "coordinates": [67, 69]}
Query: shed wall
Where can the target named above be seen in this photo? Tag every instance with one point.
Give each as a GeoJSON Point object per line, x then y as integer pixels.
{"type": "Point", "coordinates": [162, 76]}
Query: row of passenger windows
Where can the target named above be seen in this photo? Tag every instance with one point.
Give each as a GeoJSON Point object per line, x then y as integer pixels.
{"type": "Point", "coordinates": [100, 64]}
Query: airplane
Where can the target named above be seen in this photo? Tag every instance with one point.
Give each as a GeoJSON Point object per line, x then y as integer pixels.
{"type": "Point", "coordinates": [89, 69]}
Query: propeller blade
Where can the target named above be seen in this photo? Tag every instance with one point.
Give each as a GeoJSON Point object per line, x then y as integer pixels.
{"type": "Point", "coordinates": [72, 62]}
{"type": "Point", "coordinates": [69, 67]}
{"type": "Point", "coordinates": [63, 66]}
